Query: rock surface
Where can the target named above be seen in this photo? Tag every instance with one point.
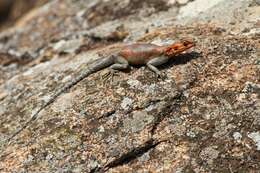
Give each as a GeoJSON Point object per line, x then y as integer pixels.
{"type": "Point", "coordinates": [204, 117]}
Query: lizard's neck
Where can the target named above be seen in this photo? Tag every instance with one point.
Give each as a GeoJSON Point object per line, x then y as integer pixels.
{"type": "Point", "coordinates": [161, 49]}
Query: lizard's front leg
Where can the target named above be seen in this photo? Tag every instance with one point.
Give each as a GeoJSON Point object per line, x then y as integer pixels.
{"type": "Point", "coordinates": [157, 61]}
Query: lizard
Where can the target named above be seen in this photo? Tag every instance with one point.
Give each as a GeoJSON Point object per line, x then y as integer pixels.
{"type": "Point", "coordinates": [147, 54]}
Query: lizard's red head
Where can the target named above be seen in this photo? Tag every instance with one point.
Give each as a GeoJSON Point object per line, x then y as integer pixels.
{"type": "Point", "coordinates": [177, 48]}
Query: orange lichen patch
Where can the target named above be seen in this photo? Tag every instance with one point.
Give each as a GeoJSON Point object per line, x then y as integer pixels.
{"type": "Point", "coordinates": [246, 73]}
{"type": "Point", "coordinates": [234, 77]}
{"type": "Point", "coordinates": [13, 160]}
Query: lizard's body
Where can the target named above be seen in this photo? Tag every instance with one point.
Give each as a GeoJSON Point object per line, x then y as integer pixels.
{"type": "Point", "coordinates": [135, 54]}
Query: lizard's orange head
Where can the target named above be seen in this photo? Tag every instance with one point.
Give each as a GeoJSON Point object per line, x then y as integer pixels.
{"type": "Point", "coordinates": [177, 48]}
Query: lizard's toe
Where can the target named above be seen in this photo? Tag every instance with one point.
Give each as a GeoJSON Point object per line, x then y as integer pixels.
{"type": "Point", "coordinates": [161, 75]}
{"type": "Point", "coordinates": [109, 76]}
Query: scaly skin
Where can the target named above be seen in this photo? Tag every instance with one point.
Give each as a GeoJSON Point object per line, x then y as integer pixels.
{"type": "Point", "coordinates": [135, 54]}
{"type": "Point", "coordinates": [148, 54]}
{"type": "Point", "coordinates": [142, 53]}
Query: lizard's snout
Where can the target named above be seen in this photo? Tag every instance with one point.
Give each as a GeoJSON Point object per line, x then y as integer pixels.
{"type": "Point", "coordinates": [178, 48]}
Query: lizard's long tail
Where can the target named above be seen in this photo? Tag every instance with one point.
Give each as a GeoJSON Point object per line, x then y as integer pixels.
{"type": "Point", "coordinates": [92, 69]}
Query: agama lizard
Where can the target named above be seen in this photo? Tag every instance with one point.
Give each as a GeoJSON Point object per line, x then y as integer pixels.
{"type": "Point", "coordinates": [147, 54]}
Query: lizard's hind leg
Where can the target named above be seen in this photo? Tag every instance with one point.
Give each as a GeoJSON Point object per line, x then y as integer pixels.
{"type": "Point", "coordinates": [119, 64]}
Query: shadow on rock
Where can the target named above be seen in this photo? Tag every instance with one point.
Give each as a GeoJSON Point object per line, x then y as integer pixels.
{"type": "Point", "coordinates": [181, 59]}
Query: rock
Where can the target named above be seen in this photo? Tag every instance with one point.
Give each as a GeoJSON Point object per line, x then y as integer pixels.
{"type": "Point", "coordinates": [126, 103]}
{"type": "Point", "coordinates": [257, 2]}
{"type": "Point", "coordinates": [255, 136]}
{"type": "Point", "coordinates": [140, 120]}
{"type": "Point", "coordinates": [209, 154]}
{"type": "Point", "coordinates": [182, 2]}
{"type": "Point", "coordinates": [237, 136]}
{"type": "Point", "coordinates": [67, 46]}
{"type": "Point", "coordinates": [203, 116]}
{"type": "Point", "coordinates": [171, 2]}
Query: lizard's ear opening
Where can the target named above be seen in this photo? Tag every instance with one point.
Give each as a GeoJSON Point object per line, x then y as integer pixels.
{"type": "Point", "coordinates": [186, 43]}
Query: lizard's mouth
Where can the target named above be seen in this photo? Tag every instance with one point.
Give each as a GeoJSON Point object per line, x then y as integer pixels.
{"type": "Point", "coordinates": [178, 48]}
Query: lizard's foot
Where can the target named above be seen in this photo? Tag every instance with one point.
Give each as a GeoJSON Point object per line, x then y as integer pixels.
{"type": "Point", "coordinates": [161, 75]}
{"type": "Point", "coordinates": [109, 76]}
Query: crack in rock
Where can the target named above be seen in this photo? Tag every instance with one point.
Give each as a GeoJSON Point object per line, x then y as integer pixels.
{"type": "Point", "coordinates": [167, 106]}
{"type": "Point", "coordinates": [131, 155]}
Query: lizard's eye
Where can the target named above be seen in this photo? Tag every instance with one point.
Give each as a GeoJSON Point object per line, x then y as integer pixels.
{"type": "Point", "coordinates": [186, 43]}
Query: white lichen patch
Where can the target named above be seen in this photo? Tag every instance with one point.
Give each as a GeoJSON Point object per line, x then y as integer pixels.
{"type": "Point", "coordinates": [66, 78]}
{"type": "Point", "coordinates": [150, 89]}
{"type": "Point", "coordinates": [67, 46]}
{"type": "Point", "coordinates": [126, 103]}
{"type": "Point", "coordinates": [134, 84]}
{"type": "Point", "coordinates": [138, 122]}
{"type": "Point", "coordinates": [255, 136]}
{"type": "Point", "coordinates": [209, 154]}
{"type": "Point", "coordinates": [237, 136]}
{"type": "Point", "coordinates": [64, 102]}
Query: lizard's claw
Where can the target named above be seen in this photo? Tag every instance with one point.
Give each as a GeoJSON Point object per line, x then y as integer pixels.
{"type": "Point", "coordinates": [109, 76]}
{"type": "Point", "coordinates": [161, 75]}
